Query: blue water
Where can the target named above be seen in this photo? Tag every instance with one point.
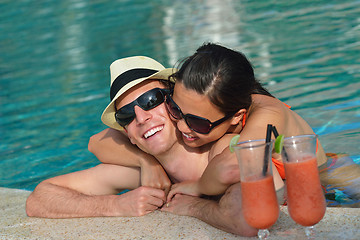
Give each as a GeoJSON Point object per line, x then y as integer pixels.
{"type": "Point", "coordinates": [55, 57]}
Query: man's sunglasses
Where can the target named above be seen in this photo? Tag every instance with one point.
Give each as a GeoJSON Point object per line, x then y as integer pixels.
{"type": "Point", "coordinates": [195, 123]}
{"type": "Point", "coordinates": [146, 101]}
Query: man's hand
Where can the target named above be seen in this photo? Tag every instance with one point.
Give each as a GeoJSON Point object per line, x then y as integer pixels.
{"type": "Point", "coordinates": [181, 204]}
{"type": "Point", "coordinates": [225, 214]}
{"type": "Point", "coordinates": [140, 201]}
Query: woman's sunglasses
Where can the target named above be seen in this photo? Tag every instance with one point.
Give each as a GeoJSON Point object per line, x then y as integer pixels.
{"type": "Point", "coordinates": [146, 101]}
{"type": "Point", "coordinates": [195, 123]}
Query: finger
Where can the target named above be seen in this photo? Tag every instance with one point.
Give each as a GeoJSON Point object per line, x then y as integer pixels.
{"type": "Point", "coordinates": [155, 192]}
{"type": "Point", "coordinates": [160, 194]}
{"type": "Point", "coordinates": [156, 197]}
{"type": "Point", "coordinates": [150, 208]}
{"type": "Point", "coordinates": [170, 195]}
{"type": "Point", "coordinates": [167, 190]}
{"type": "Point", "coordinates": [166, 207]}
{"type": "Point", "coordinates": [151, 204]}
{"type": "Point", "coordinates": [156, 202]}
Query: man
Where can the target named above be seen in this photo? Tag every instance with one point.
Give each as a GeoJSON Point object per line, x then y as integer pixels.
{"type": "Point", "coordinates": [137, 106]}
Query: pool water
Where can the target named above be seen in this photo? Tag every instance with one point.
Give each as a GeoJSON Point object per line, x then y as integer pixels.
{"type": "Point", "coordinates": [55, 57]}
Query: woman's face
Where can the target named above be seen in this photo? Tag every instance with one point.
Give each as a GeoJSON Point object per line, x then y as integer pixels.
{"type": "Point", "coordinates": [193, 103]}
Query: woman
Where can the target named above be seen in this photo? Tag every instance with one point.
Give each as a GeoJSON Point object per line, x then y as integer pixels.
{"type": "Point", "coordinates": [215, 94]}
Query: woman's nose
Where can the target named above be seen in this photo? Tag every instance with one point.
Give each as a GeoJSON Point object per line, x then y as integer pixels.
{"type": "Point", "coordinates": [182, 126]}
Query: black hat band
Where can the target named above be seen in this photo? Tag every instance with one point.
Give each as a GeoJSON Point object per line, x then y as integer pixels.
{"type": "Point", "coordinates": [127, 77]}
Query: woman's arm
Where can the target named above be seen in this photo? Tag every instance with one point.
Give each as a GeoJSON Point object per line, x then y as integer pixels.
{"type": "Point", "coordinates": [114, 147]}
{"type": "Point", "coordinates": [221, 172]}
{"type": "Point", "coordinates": [110, 145]}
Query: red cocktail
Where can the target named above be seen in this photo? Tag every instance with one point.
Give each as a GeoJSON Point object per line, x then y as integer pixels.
{"type": "Point", "coordinates": [259, 202]}
{"type": "Point", "coordinates": [306, 200]}
{"type": "Point", "coordinates": [258, 196]}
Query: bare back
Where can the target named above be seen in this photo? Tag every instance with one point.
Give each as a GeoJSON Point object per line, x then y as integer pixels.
{"type": "Point", "coordinates": [267, 110]}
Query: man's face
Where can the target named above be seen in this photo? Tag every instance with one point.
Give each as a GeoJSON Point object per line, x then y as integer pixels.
{"type": "Point", "coordinates": [152, 131]}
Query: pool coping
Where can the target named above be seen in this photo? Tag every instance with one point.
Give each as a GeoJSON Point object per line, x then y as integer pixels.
{"type": "Point", "coordinates": [338, 223]}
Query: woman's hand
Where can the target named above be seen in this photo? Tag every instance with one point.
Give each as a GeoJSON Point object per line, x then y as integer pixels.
{"type": "Point", "coordinates": [154, 175]}
{"type": "Point", "coordinates": [188, 187]}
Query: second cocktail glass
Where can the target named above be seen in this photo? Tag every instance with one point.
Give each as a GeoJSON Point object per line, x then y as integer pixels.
{"type": "Point", "coordinates": [305, 197]}
{"type": "Point", "coordinates": [258, 196]}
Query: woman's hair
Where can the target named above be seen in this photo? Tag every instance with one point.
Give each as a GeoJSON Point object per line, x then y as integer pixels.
{"type": "Point", "coordinates": [222, 74]}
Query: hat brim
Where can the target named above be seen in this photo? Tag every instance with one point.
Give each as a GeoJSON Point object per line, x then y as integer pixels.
{"type": "Point", "coordinates": [108, 116]}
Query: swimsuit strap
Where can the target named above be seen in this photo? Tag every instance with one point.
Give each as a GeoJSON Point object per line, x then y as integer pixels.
{"type": "Point", "coordinates": [243, 120]}
{"type": "Point", "coordinates": [287, 105]}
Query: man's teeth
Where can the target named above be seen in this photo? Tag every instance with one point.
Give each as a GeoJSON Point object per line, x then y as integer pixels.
{"type": "Point", "coordinates": [153, 131]}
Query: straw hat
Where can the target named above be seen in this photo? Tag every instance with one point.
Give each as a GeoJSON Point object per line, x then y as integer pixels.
{"type": "Point", "coordinates": [125, 74]}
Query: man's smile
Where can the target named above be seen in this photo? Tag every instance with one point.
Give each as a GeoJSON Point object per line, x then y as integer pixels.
{"type": "Point", "coordinates": [153, 131]}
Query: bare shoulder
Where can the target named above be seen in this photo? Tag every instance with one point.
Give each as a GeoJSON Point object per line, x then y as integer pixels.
{"type": "Point", "coordinates": [268, 110]}
{"type": "Point", "coordinates": [265, 110]}
{"type": "Point", "coordinates": [266, 104]}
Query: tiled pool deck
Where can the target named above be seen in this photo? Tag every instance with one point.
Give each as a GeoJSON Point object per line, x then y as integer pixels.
{"type": "Point", "coordinates": [338, 223]}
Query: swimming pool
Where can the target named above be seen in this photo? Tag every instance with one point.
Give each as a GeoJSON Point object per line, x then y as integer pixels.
{"type": "Point", "coordinates": [54, 68]}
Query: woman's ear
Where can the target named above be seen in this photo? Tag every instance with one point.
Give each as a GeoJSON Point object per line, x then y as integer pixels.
{"type": "Point", "coordinates": [238, 117]}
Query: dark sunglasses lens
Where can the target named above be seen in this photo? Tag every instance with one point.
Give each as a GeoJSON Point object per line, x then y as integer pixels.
{"type": "Point", "coordinates": [172, 108]}
{"type": "Point", "coordinates": [147, 101]}
{"type": "Point", "coordinates": [124, 116]}
{"type": "Point", "coordinates": [151, 99]}
{"type": "Point", "coordinates": [198, 125]}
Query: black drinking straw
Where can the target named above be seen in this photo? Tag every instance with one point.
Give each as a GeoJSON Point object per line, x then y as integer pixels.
{"type": "Point", "coordinates": [276, 134]}
{"type": "Point", "coordinates": [267, 140]}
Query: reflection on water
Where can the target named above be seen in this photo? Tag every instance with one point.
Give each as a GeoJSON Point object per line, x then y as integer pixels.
{"type": "Point", "coordinates": [199, 21]}
{"type": "Point", "coordinates": [55, 58]}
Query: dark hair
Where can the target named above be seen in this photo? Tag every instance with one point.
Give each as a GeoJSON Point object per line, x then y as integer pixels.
{"type": "Point", "coordinates": [224, 75]}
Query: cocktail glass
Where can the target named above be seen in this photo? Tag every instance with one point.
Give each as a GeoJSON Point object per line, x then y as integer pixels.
{"type": "Point", "coordinates": [258, 196]}
{"type": "Point", "coordinates": [305, 197]}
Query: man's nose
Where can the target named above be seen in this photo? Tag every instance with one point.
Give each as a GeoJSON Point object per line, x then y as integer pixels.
{"type": "Point", "coordinates": [141, 116]}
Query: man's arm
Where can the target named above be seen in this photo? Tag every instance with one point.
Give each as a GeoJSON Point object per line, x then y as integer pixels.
{"type": "Point", "coordinates": [90, 193]}
{"type": "Point", "coordinates": [226, 214]}
{"type": "Point", "coordinates": [110, 146]}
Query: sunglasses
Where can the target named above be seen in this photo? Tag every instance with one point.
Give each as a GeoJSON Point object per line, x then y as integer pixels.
{"type": "Point", "coordinates": [146, 101]}
{"type": "Point", "coordinates": [195, 123]}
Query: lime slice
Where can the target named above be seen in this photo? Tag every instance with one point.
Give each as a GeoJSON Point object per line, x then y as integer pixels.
{"type": "Point", "coordinates": [233, 142]}
{"type": "Point", "coordinates": [279, 143]}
